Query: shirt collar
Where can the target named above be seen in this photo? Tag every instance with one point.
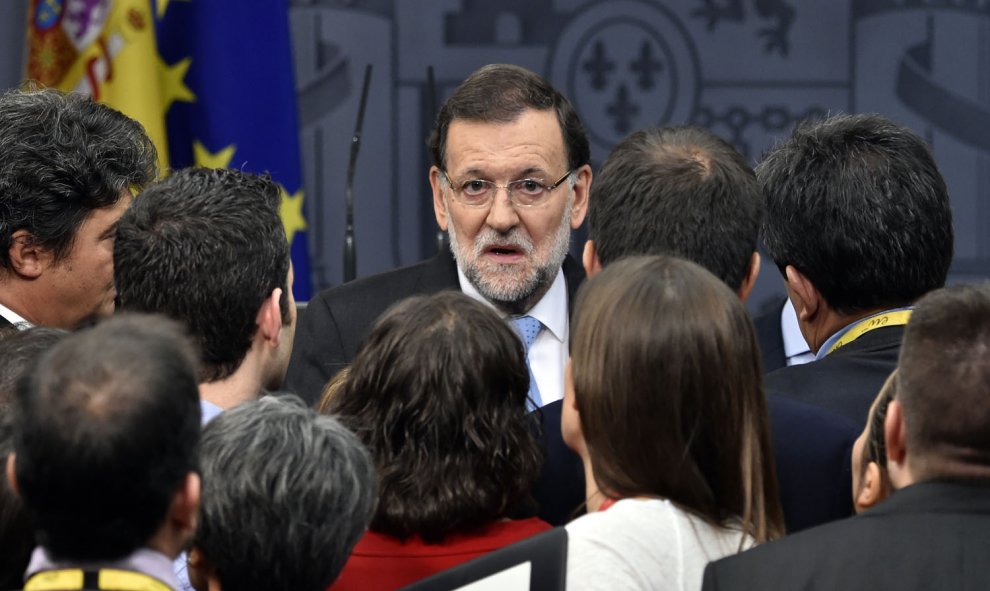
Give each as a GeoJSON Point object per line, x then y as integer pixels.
{"type": "Point", "coordinates": [14, 318]}
{"type": "Point", "coordinates": [551, 309]}
{"type": "Point", "coordinates": [794, 343]}
{"type": "Point", "coordinates": [827, 345]}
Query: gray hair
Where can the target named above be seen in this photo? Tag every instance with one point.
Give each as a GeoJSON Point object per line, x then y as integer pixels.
{"type": "Point", "coordinates": [286, 495]}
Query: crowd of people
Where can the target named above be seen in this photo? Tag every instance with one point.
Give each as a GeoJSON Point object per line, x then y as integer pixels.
{"type": "Point", "coordinates": [171, 420]}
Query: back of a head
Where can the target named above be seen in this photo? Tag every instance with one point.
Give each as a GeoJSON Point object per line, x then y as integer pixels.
{"type": "Point", "coordinates": [679, 191]}
{"type": "Point", "coordinates": [857, 205]}
{"type": "Point", "coordinates": [107, 430]}
{"type": "Point", "coordinates": [205, 247]}
{"type": "Point", "coordinates": [656, 419]}
{"type": "Point", "coordinates": [438, 394]}
{"type": "Point", "coordinates": [286, 495]}
{"type": "Point", "coordinates": [942, 383]}
{"type": "Point", "coordinates": [19, 353]}
{"type": "Point", "coordinates": [499, 93]}
{"type": "Point", "coordinates": [63, 156]}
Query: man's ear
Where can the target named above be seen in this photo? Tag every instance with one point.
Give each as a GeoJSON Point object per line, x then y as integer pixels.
{"type": "Point", "coordinates": [582, 190]}
{"type": "Point", "coordinates": [894, 434]}
{"type": "Point", "coordinates": [269, 318]}
{"type": "Point", "coordinates": [439, 206]}
{"type": "Point", "coordinates": [184, 510]}
{"type": "Point", "coordinates": [27, 257]}
{"type": "Point", "coordinates": [870, 489]}
{"type": "Point", "coordinates": [806, 298]}
{"type": "Point", "coordinates": [749, 280]}
{"type": "Point", "coordinates": [592, 266]}
{"type": "Point", "coordinates": [12, 474]}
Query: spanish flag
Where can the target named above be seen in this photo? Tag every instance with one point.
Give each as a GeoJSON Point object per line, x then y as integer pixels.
{"type": "Point", "coordinates": [210, 80]}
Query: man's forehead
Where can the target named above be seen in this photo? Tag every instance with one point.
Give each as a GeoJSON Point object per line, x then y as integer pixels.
{"type": "Point", "coordinates": [532, 142]}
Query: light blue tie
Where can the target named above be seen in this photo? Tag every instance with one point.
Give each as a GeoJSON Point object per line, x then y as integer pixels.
{"type": "Point", "coordinates": [528, 328]}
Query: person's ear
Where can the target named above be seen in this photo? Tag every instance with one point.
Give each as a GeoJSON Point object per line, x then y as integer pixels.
{"type": "Point", "coordinates": [439, 206]}
{"type": "Point", "coordinates": [185, 504]}
{"type": "Point", "coordinates": [12, 474]}
{"type": "Point", "coordinates": [589, 258]}
{"type": "Point", "coordinates": [269, 318]}
{"type": "Point", "coordinates": [871, 488]}
{"type": "Point", "coordinates": [582, 190]}
{"type": "Point", "coordinates": [27, 257]}
{"type": "Point", "coordinates": [894, 434]}
{"type": "Point", "coordinates": [805, 296]}
{"type": "Point", "coordinates": [749, 280]}
{"type": "Point", "coordinates": [201, 572]}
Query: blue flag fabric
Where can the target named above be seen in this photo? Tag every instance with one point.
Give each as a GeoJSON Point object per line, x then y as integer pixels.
{"type": "Point", "coordinates": [242, 109]}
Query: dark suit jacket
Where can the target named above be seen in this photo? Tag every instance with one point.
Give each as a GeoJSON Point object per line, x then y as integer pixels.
{"type": "Point", "coordinates": [769, 335]}
{"type": "Point", "coordinates": [847, 381]}
{"type": "Point", "coordinates": [337, 320]}
{"type": "Point", "coordinates": [812, 451]}
{"type": "Point", "coordinates": [933, 535]}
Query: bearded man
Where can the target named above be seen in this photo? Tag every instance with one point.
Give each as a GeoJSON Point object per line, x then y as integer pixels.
{"type": "Point", "coordinates": [510, 178]}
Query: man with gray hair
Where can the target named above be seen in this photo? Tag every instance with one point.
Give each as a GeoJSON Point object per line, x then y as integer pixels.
{"type": "Point", "coordinates": [286, 495]}
{"type": "Point", "coordinates": [67, 169]}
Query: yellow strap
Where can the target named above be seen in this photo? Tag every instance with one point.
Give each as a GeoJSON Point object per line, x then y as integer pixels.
{"type": "Point", "coordinates": [55, 580]}
{"type": "Point", "coordinates": [107, 578]}
{"type": "Point", "coordinates": [899, 318]}
{"type": "Point", "coordinates": [126, 580]}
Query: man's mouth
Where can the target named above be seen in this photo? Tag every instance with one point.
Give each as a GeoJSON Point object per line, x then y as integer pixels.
{"type": "Point", "coordinates": [504, 253]}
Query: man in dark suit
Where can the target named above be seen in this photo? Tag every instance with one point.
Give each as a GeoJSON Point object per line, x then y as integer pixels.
{"type": "Point", "coordinates": [934, 532]}
{"type": "Point", "coordinates": [510, 179]}
{"type": "Point", "coordinates": [683, 191]}
{"type": "Point", "coordinates": [859, 224]}
{"type": "Point", "coordinates": [67, 169]}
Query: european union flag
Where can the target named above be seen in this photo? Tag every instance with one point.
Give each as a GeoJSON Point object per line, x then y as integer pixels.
{"type": "Point", "coordinates": [239, 108]}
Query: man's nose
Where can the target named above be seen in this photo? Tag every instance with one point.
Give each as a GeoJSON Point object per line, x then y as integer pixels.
{"type": "Point", "coordinates": [502, 215]}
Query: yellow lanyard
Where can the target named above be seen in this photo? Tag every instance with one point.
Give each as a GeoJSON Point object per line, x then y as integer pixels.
{"type": "Point", "coordinates": [899, 318]}
{"type": "Point", "coordinates": [113, 579]}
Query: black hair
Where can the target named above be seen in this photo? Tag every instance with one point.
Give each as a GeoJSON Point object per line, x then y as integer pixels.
{"type": "Point", "coordinates": [206, 247]}
{"type": "Point", "coordinates": [106, 431]}
{"type": "Point", "coordinates": [857, 205]}
{"type": "Point", "coordinates": [680, 191]}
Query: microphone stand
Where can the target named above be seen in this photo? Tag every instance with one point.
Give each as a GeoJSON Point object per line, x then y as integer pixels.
{"type": "Point", "coordinates": [350, 254]}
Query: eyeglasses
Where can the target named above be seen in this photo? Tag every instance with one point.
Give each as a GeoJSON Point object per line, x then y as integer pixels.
{"type": "Point", "coordinates": [522, 193]}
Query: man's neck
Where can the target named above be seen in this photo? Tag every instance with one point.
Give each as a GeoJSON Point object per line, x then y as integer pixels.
{"type": "Point", "coordinates": [244, 385]}
{"type": "Point", "coordinates": [828, 322]}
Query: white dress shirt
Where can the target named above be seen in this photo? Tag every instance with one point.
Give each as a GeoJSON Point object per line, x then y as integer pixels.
{"type": "Point", "coordinates": [548, 354]}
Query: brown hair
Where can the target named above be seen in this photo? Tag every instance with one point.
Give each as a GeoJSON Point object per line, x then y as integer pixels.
{"type": "Point", "coordinates": [438, 394]}
{"type": "Point", "coordinates": [668, 382]}
{"type": "Point", "coordinates": [942, 378]}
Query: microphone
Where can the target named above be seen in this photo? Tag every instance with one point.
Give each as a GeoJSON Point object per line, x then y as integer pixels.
{"type": "Point", "coordinates": [350, 254]}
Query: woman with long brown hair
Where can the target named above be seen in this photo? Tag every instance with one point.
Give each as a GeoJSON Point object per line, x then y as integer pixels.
{"type": "Point", "coordinates": [664, 402]}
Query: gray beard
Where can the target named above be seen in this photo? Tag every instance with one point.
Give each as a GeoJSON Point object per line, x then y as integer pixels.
{"type": "Point", "coordinates": [513, 297]}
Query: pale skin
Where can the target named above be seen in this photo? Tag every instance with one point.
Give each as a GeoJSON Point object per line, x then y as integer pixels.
{"type": "Point", "coordinates": [66, 292]}
{"type": "Point", "coordinates": [531, 146]}
{"type": "Point", "coordinates": [867, 490]}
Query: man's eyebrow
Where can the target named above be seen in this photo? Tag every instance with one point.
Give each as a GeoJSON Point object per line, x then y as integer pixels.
{"type": "Point", "coordinates": [524, 173]}
{"type": "Point", "coordinates": [110, 231]}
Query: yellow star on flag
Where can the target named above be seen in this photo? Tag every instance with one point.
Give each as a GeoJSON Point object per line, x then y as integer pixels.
{"type": "Point", "coordinates": [292, 214]}
{"type": "Point", "coordinates": [207, 159]}
{"type": "Point", "coordinates": [173, 82]}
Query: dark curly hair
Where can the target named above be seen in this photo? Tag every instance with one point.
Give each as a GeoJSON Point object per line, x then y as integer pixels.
{"type": "Point", "coordinates": [63, 156]}
{"type": "Point", "coordinates": [438, 394]}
